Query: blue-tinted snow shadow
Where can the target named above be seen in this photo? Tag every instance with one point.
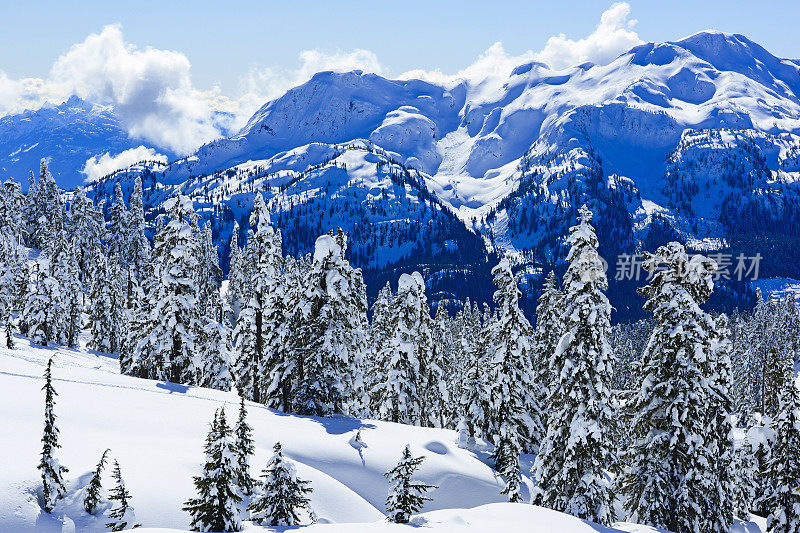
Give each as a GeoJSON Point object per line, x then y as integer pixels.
{"type": "Point", "coordinates": [172, 387]}
{"type": "Point", "coordinates": [339, 425]}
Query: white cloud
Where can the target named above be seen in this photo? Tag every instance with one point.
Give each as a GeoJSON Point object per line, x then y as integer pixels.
{"type": "Point", "coordinates": [612, 36]}
{"type": "Point", "coordinates": [97, 167]}
{"type": "Point", "coordinates": [151, 89]}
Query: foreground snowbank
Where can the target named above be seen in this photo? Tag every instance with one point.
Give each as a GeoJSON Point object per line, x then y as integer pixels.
{"type": "Point", "coordinates": [156, 431]}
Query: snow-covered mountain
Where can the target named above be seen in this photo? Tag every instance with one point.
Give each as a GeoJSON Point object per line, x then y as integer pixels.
{"type": "Point", "coordinates": [699, 135]}
{"type": "Point", "coordinates": [67, 134]}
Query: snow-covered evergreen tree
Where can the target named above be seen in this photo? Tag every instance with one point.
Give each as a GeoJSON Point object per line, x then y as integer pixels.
{"type": "Point", "coordinates": [785, 464]}
{"type": "Point", "coordinates": [214, 509]}
{"type": "Point", "coordinates": [137, 246]}
{"type": "Point", "coordinates": [474, 405]}
{"type": "Point", "coordinates": [744, 482]}
{"type": "Point", "coordinates": [283, 494]}
{"type": "Point", "coordinates": [93, 491]}
{"type": "Point", "coordinates": [52, 472]}
{"type": "Point", "coordinates": [243, 449]}
{"type": "Point", "coordinates": [331, 338]}
{"type": "Point", "coordinates": [237, 275]}
{"type": "Point", "coordinates": [261, 325]}
{"type": "Point", "coordinates": [217, 362]}
{"type": "Point", "coordinates": [577, 450]}
{"type": "Point", "coordinates": [404, 355]}
{"type": "Point", "coordinates": [664, 486]}
{"type": "Point", "coordinates": [122, 517]}
{"type": "Point", "coordinates": [102, 324]}
{"type": "Point", "coordinates": [43, 312]}
{"type": "Point", "coordinates": [117, 236]}
{"type": "Point", "coordinates": [406, 496]}
{"type": "Point", "coordinates": [549, 329]}
{"type": "Point", "coordinates": [718, 513]}
{"type": "Point", "coordinates": [13, 256]}
{"type": "Point", "coordinates": [85, 235]}
{"type": "Point", "coordinates": [515, 415]}
{"type": "Point", "coordinates": [172, 325]}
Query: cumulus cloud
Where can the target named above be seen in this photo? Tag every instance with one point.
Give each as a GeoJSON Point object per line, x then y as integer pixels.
{"type": "Point", "coordinates": [612, 36]}
{"type": "Point", "coordinates": [98, 166]}
{"type": "Point", "coordinates": [151, 89]}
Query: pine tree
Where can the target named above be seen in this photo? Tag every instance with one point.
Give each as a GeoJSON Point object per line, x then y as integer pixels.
{"type": "Point", "coordinates": [404, 355]}
{"type": "Point", "coordinates": [718, 513]}
{"type": "Point", "coordinates": [122, 516]}
{"type": "Point", "coordinates": [117, 236]}
{"type": "Point", "coordinates": [243, 448]}
{"type": "Point", "coordinates": [216, 360]}
{"type": "Point", "coordinates": [93, 496]}
{"type": "Point", "coordinates": [282, 494]}
{"type": "Point", "coordinates": [549, 329]}
{"type": "Point", "coordinates": [744, 484]}
{"type": "Point", "coordinates": [474, 402]}
{"type": "Point", "coordinates": [785, 464]}
{"type": "Point", "coordinates": [102, 326]}
{"type": "Point", "coordinates": [42, 314]}
{"type": "Point", "coordinates": [331, 339]}
{"type": "Point", "coordinates": [577, 449]}
{"type": "Point", "coordinates": [664, 486]}
{"type": "Point", "coordinates": [13, 257]}
{"type": "Point", "coordinates": [52, 471]}
{"type": "Point", "coordinates": [85, 235]}
{"type": "Point", "coordinates": [405, 495]}
{"type": "Point", "coordinates": [137, 246]}
{"type": "Point", "coordinates": [237, 275]}
{"type": "Point", "coordinates": [168, 350]}
{"type": "Point", "coordinates": [257, 322]}
{"type": "Point", "coordinates": [214, 509]}
{"type": "Point", "coordinates": [516, 418]}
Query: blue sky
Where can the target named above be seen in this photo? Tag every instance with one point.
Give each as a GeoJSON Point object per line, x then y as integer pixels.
{"type": "Point", "coordinates": [170, 67]}
{"type": "Point", "coordinates": [224, 40]}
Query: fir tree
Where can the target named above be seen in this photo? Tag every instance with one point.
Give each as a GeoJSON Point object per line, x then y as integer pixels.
{"type": "Point", "coordinates": [577, 450]}
{"type": "Point", "coordinates": [516, 418]}
{"type": "Point", "coordinates": [117, 237]}
{"type": "Point", "coordinates": [404, 355]}
{"type": "Point", "coordinates": [665, 486]}
{"type": "Point", "coordinates": [331, 339]}
{"type": "Point", "coordinates": [549, 329]}
{"type": "Point", "coordinates": [243, 449]}
{"type": "Point", "coordinates": [122, 516]}
{"type": "Point", "coordinates": [214, 509]}
{"type": "Point", "coordinates": [93, 496]}
{"type": "Point", "coordinates": [282, 494]}
{"type": "Point", "coordinates": [137, 246]}
{"type": "Point", "coordinates": [52, 471]}
{"type": "Point", "coordinates": [718, 513]}
{"type": "Point", "coordinates": [744, 483]}
{"type": "Point", "coordinates": [260, 320]}
{"type": "Point", "coordinates": [785, 464]}
{"type": "Point", "coordinates": [405, 495]}
{"type": "Point", "coordinates": [172, 325]}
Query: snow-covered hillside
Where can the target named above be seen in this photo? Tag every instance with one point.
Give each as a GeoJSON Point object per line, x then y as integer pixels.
{"type": "Point", "coordinates": [156, 430]}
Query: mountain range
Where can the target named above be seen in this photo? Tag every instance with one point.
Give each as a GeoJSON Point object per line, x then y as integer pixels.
{"type": "Point", "coordinates": [697, 139]}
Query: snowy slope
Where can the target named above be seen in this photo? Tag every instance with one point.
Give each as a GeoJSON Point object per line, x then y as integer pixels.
{"type": "Point", "coordinates": [156, 430]}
